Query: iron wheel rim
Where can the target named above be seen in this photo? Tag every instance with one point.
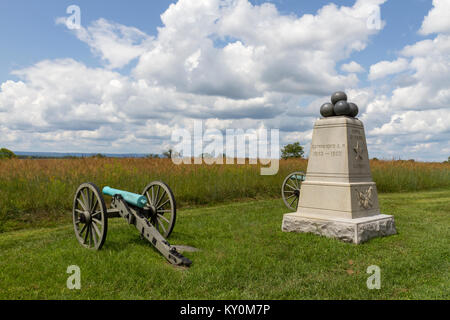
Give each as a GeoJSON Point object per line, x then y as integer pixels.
{"type": "Point", "coordinates": [90, 220]}
{"type": "Point", "coordinates": [160, 197]}
{"type": "Point", "coordinates": [290, 190]}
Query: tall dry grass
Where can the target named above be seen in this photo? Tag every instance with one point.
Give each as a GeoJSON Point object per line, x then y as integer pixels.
{"type": "Point", "coordinates": [30, 186]}
{"type": "Point", "coordinates": [401, 176]}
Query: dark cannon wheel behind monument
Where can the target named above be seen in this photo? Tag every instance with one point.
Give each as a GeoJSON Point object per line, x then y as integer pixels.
{"type": "Point", "coordinates": [163, 207]}
{"type": "Point", "coordinates": [90, 219]}
{"type": "Point", "coordinates": [290, 190]}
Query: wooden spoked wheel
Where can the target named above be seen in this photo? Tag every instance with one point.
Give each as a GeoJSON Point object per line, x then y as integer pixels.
{"type": "Point", "coordinates": [90, 219]}
{"type": "Point", "coordinates": [162, 205]}
{"type": "Point", "coordinates": [290, 190]}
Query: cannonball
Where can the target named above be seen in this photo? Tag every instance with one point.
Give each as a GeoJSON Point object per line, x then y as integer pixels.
{"type": "Point", "coordinates": [338, 96]}
{"type": "Point", "coordinates": [353, 109]}
{"type": "Point", "coordinates": [326, 110]}
{"type": "Point", "coordinates": [342, 108]}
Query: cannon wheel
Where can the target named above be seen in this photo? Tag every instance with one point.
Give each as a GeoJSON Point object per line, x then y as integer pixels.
{"type": "Point", "coordinates": [164, 209]}
{"type": "Point", "coordinates": [90, 221]}
{"type": "Point", "coordinates": [290, 190]}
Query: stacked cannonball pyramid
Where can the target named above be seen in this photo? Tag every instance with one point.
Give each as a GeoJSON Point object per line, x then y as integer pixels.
{"type": "Point", "coordinates": [339, 106]}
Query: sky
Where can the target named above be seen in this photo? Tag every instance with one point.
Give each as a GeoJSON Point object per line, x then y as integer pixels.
{"type": "Point", "coordinates": [134, 71]}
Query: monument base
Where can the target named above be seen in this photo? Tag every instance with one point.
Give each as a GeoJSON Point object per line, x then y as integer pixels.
{"type": "Point", "coordinates": [348, 230]}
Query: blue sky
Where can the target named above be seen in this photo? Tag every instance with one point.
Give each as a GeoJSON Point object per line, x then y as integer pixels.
{"type": "Point", "coordinates": [388, 68]}
{"type": "Point", "coordinates": [32, 35]}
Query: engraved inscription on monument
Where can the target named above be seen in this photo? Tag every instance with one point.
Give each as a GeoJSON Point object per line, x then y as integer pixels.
{"type": "Point", "coordinates": [327, 150]}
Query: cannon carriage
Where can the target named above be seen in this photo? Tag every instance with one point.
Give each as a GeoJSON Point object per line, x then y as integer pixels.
{"type": "Point", "coordinates": [153, 213]}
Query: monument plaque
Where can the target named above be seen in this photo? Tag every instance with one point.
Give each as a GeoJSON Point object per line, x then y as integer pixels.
{"type": "Point", "coordinates": [338, 197]}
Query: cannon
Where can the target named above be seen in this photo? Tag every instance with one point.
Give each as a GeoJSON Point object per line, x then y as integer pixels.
{"type": "Point", "coordinates": [290, 189]}
{"type": "Point", "coordinates": [153, 213]}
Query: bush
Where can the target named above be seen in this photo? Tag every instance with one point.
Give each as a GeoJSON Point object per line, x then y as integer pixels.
{"type": "Point", "coordinates": [7, 154]}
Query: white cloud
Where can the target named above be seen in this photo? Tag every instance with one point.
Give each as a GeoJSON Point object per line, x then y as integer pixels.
{"type": "Point", "coordinates": [438, 19]}
{"type": "Point", "coordinates": [264, 50]}
{"type": "Point", "coordinates": [421, 147]}
{"type": "Point", "coordinates": [385, 68]}
{"type": "Point", "coordinates": [430, 121]}
{"type": "Point", "coordinates": [60, 93]}
{"type": "Point", "coordinates": [116, 44]}
{"type": "Point", "coordinates": [429, 83]}
{"type": "Point", "coordinates": [352, 67]}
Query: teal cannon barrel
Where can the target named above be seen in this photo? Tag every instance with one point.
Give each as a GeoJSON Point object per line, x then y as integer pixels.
{"type": "Point", "coordinates": [300, 177]}
{"type": "Point", "coordinates": [134, 199]}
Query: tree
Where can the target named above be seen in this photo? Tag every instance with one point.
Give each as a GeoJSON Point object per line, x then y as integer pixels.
{"type": "Point", "coordinates": [293, 150]}
{"type": "Point", "coordinates": [7, 154]}
{"type": "Point", "coordinates": [168, 153]}
{"type": "Point", "coordinates": [172, 154]}
{"type": "Point", "coordinates": [153, 156]}
{"type": "Point", "coordinates": [98, 155]}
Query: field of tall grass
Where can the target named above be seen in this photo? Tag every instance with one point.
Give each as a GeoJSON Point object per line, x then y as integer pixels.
{"type": "Point", "coordinates": [39, 188]}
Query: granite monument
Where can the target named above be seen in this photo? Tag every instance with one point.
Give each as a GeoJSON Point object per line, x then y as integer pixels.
{"type": "Point", "coordinates": [338, 198]}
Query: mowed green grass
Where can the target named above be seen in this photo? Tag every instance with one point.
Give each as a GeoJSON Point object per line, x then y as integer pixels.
{"type": "Point", "coordinates": [244, 255]}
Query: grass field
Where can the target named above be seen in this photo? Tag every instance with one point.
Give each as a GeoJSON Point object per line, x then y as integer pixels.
{"type": "Point", "coordinates": [244, 255]}
{"type": "Point", "coordinates": [36, 192]}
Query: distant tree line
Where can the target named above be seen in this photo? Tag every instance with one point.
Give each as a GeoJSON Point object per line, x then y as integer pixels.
{"type": "Point", "coordinates": [289, 151]}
